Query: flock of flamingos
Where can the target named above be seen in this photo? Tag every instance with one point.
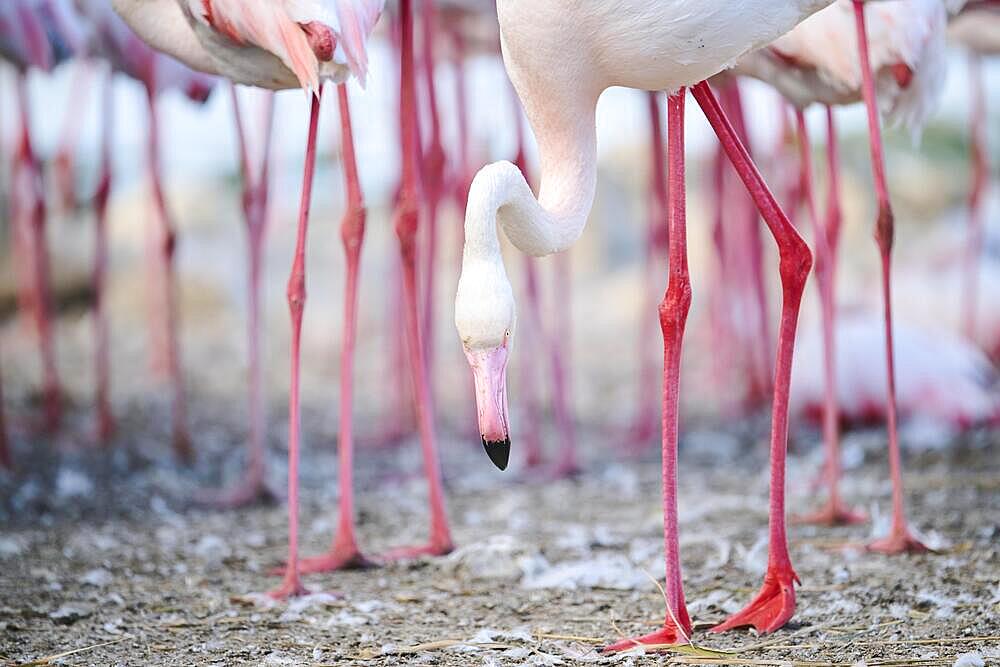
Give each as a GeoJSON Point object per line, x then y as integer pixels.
{"type": "Point", "coordinates": [560, 56]}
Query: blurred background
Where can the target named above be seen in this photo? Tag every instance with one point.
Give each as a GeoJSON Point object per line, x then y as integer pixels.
{"type": "Point", "coordinates": [929, 182]}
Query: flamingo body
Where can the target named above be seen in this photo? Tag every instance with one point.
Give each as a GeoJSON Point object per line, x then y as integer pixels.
{"type": "Point", "coordinates": [269, 44]}
{"type": "Point", "coordinates": [818, 61]}
{"type": "Point", "coordinates": [638, 44]}
{"type": "Point", "coordinates": [940, 376]}
{"type": "Point", "coordinates": [112, 39]}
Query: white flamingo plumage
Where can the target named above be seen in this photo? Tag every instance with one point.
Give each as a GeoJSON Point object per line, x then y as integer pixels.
{"type": "Point", "coordinates": [275, 45]}
{"type": "Point", "coordinates": [817, 62]}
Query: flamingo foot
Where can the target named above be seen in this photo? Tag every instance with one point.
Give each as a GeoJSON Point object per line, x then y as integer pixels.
{"type": "Point", "coordinates": [434, 548]}
{"type": "Point", "coordinates": [773, 605]}
{"type": "Point", "coordinates": [900, 540]}
{"type": "Point", "coordinates": [833, 513]}
{"type": "Point", "coordinates": [291, 587]}
{"type": "Point", "coordinates": [337, 558]}
{"type": "Point", "coordinates": [668, 635]}
{"type": "Point", "coordinates": [248, 491]}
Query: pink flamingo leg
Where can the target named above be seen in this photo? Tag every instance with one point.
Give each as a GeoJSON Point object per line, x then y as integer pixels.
{"type": "Point", "coordinates": [39, 264]}
{"type": "Point", "coordinates": [900, 539]}
{"type": "Point", "coordinates": [775, 603]}
{"type": "Point", "coordinates": [673, 312]}
{"type": "Point", "coordinates": [644, 423]}
{"type": "Point", "coordinates": [720, 292]}
{"type": "Point", "coordinates": [464, 177]}
{"type": "Point", "coordinates": [398, 422]}
{"type": "Point", "coordinates": [432, 174]}
{"type": "Point", "coordinates": [255, 208]}
{"type": "Point", "coordinates": [406, 222]}
{"type": "Point", "coordinates": [344, 552]}
{"type": "Point", "coordinates": [980, 175]}
{"type": "Point", "coordinates": [155, 270]}
{"type": "Point", "coordinates": [532, 331]}
{"type": "Point", "coordinates": [401, 418]}
{"type": "Point", "coordinates": [760, 356]}
{"type": "Point", "coordinates": [167, 239]}
{"type": "Point", "coordinates": [834, 512]}
{"type": "Point", "coordinates": [6, 460]}
{"type": "Point", "coordinates": [19, 202]}
{"type": "Point", "coordinates": [105, 420]}
{"type": "Point", "coordinates": [63, 163]}
{"type": "Point", "coordinates": [559, 347]}
{"type": "Point", "coordinates": [292, 585]}
{"type": "Point", "coordinates": [789, 180]}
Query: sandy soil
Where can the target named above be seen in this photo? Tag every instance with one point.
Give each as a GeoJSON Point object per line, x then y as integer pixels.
{"type": "Point", "coordinates": [107, 554]}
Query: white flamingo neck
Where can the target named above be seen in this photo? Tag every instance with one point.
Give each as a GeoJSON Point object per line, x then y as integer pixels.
{"type": "Point", "coordinates": [500, 196]}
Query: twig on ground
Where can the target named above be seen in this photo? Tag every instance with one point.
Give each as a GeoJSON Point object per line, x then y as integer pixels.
{"type": "Point", "coordinates": [49, 659]}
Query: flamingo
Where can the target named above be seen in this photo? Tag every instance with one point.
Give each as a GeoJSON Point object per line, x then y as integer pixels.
{"type": "Point", "coordinates": [288, 45]}
{"type": "Point", "coordinates": [943, 377]}
{"type": "Point", "coordinates": [561, 56]}
{"type": "Point", "coordinates": [35, 34]}
{"type": "Point", "coordinates": [109, 38]}
{"type": "Point", "coordinates": [900, 45]}
{"type": "Point", "coordinates": [472, 25]}
{"type": "Point", "coordinates": [977, 28]}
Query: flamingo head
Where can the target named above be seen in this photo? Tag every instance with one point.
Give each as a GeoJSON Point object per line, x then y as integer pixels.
{"type": "Point", "coordinates": [485, 318]}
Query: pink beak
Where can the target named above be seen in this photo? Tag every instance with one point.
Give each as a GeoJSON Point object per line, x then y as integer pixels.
{"type": "Point", "coordinates": [489, 368]}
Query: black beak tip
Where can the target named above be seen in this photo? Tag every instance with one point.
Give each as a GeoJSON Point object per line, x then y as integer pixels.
{"type": "Point", "coordinates": [498, 451]}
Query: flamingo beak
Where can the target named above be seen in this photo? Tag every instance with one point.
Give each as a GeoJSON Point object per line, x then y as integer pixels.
{"type": "Point", "coordinates": [489, 369]}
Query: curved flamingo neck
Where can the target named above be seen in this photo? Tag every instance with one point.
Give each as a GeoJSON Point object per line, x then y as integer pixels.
{"type": "Point", "coordinates": [500, 196]}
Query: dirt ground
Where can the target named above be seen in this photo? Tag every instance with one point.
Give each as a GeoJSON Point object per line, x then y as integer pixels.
{"type": "Point", "coordinates": [106, 555]}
